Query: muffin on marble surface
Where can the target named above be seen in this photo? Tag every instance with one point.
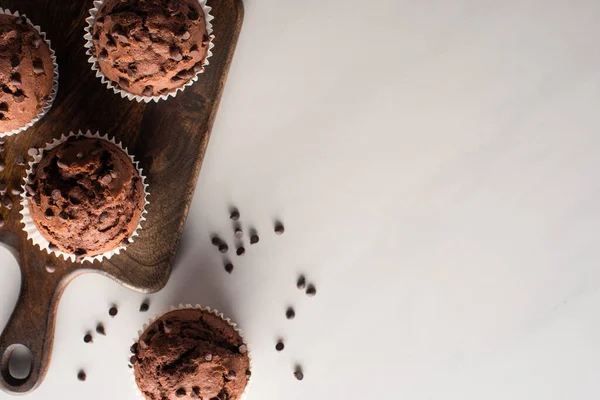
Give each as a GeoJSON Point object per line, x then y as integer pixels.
{"type": "Point", "coordinates": [191, 353]}
{"type": "Point", "coordinates": [150, 47]}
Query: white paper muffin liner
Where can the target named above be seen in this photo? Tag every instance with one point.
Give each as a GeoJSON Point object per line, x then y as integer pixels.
{"type": "Point", "coordinates": [137, 390]}
{"type": "Point", "coordinates": [31, 229]}
{"type": "Point", "coordinates": [130, 96]}
{"type": "Point", "coordinates": [52, 96]}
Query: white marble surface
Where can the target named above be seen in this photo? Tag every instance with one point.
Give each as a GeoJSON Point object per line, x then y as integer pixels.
{"type": "Point", "coordinates": [435, 164]}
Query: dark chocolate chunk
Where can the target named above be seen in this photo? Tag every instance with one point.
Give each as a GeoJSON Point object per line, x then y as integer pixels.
{"type": "Point", "coordinates": [180, 392]}
{"type": "Point", "coordinates": [7, 202]}
{"type": "Point", "coordinates": [100, 329]}
{"type": "Point", "coordinates": [215, 241]}
{"type": "Point", "coordinates": [195, 392]}
{"type": "Point", "coordinates": [88, 338]}
{"type": "Point", "coordinates": [290, 313]}
{"type": "Point", "coordinates": [38, 66]}
{"type": "Point", "coordinates": [229, 268]}
{"type": "Point", "coordinates": [231, 375]}
{"type": "Point", "coordinates": [240, 251]}
{"type": "Point", "coordinates": [144, 306]}
{"type": "Point", "coordinates": [186, 74]}
{"type": "Point", "coordinates": [15, 79]}
{"type": "Point", "coordinates": [113, 311]}
{"type": "Point", "coordinates": [124, 83]}
{"type": "Point", "coordinates": [279, 346]}
{"type": "Point", "coordinates": [248, 373]}
{"type": "Point", "coordinates": [239, 233]}
{"type": "Point", "coordinates": [3, 188]}
{"type": "Point", "coordinates": [134, 348]}
{"type": "Point", "coordinates": [223, 248]}
{"type": "Point", "coordinates": [301, 284]}
{"type": "Point", "coordinates": [298, 373]}
{"type": "Point", "coordinates": [311, 290]}
{"type": "Point", "coordinates": [49, 214]}
{"type": "Point", "coordinates": [132, 360]}
{"type": "Point", "coordinates": [279, 229]}
{"type": "Point", "coordinates": [243, 349]}
{"type": "Point", "coordinates": [254, 239]}
{"type": "Point", "coordinates": [81, 376]}
{"type": "Point", "coordinates": [175, 53]}
{"type": "Point", "coordinates": [103, 55]}
{"type": "Point", "coordinates": [235, 215]}
{"type": "Point", "coordinates": [148, 91]}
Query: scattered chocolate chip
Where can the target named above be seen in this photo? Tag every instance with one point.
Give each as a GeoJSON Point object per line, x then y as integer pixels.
{"type": "Point", "coordinates": [49, 214]}
{"type": "Point", "coordinates": [195, 392]}
{"type": "Point", "coordinates": [63, 216]}
{"type": "Point", "coordinates": [124, 83]}
{"type": "Point", "coordinates": [205, 40]}
{"type": "Point", "coordinates": [148, 91]}
{"type": "Point", "coordinates": [111, 45]}
{"type": "Point", "coordinates": [231, 375]}
{"type": "Point", "coordinates": [167, 327]}
{"type": "Point", "coordinates": [240, 251]}
{"type": "Point", "coordinates": [15, 191]}
{"type": "Point", "coordinates": [81, 376]}
{"type": "Point", "coordinates": [144, 306]}
{"type": "Point", "coordinates": [186, 74]}
{"type": "Point", "coordinates": [18, 97]}
{"type": "Point", "coordinates": [30, 191]}
{"type": "Point", "coordinates": [290, 313]}
{"type": "Point", "coordinates": [20, 160]}
{"type": "Point", "coordinates": [235, 215]}
{"type": "Point", "coordinates": [223, 248]}
{"type": "Point", "coordinates": [113, 311]}
{"type": "Point", "coordinates": [7, 202]}
{"type": "Point", "coordinates": [1, 221]}
{"type": "Point", "coordinates": [50, 268]}
{"type": "Point", "coordinates": [279, 229]}
{"type": "Point", "coordinates": [3, 107]}
{"type": "Point", "coordinates": [248, 373]}
{"type": "Point", "coordinates": [215, 241]}
{"type": "Point", "coordinates": [243, 349]}
{"type": "Point", "coordinates": [88, 338]}
{"type": "Point", "coordinates": [229, 268]}
{"type": "Point", "coordinates": [15, 61]}
{"type": "Point", "coordinates": [134, 348]}
{"type": "Point", "coordinates": [239, 233]}
{"type": "Point", "coordinates": [3, 188]}
{"type": "Point", "coordinates": [103, 55]}
{"type": "Point", "coordinates": [125, 242]}
{"type": "Point", "coordinates": [51, 246]}
{"type": "Point", "coordinates": [175, 53]}
{"type": "Point", "coordinates": [208, 357]}
{"type": "Point", "coordinates": [279, 346]}
{"type": "Point", "coordinates": [298, 373]}
{"type": "Point", "coordinates": [198, 66]}
{"type": "Point", "coordinates": [193, 15]}
{"type": "Point", "coordinates": [132, 360]}
{"type": "Point", "coordinates": [118, 29]}
{"type": "Point", "coordinates": [180, 392]}
{"type": "Point", "coordinates": [254, 239]}
{"type": "Point", "coordinates": [106, 179]}
{"type": "Point", "coordinates": [311, 290]}
{"type": "Point", "coordinates": [194, 54]}
{"type": "Point", "coordinates": [301, 284]}
{"type": "Point", "coordinates": [100, 329]}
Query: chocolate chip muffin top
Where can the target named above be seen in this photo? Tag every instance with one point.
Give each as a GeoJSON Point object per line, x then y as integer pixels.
{"type": "Point", "coordinates": [85, 196]}
{"type": "Point", "coordinates": [191, 354]}
{"type": "Point", "coordinates": [26, 73]}
{"type": "Point", "coordinates": [150, 47]}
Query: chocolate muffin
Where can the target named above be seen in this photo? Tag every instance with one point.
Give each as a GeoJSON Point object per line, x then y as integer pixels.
{"type": "Point", "coordinates": [192, 354]}
{"type": "Point", "coordinates": [85, 196]}
{"type": "Point", "coordinates": [26, 73]}
{"type": "Point", "coordinates": [150, 47]}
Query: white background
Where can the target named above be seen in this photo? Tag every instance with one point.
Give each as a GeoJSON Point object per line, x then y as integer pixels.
{"type": "Point", "coordinates": [436, 166]}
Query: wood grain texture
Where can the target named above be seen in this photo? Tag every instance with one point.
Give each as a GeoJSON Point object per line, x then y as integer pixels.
{"type": "Point", "coordinates": [168, 138]}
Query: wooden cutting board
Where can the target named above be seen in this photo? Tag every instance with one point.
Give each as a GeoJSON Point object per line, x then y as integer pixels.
{"type": "Point", "coordinates": [169, 139]}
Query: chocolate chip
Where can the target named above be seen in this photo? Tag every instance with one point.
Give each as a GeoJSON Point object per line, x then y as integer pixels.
{"type": "Point", "coordinates": [194, 54]}
{"type": "Point", "coordinates": [239, 233]}
{"type": "Point", "coordinates": [175, 53]}
{"type": "Point", "coordinates": [106, 179]}
{"type": "Point", "coordinates": [49, 214]}
{"type": "Point", "coordinates": [103, 55]}
{"type": "Point", "coordinates": [4, 107]}
{"type": "Point", "coordinates": [231, 375]}
{"type": "Point", "coordinates": [100, 329]}
{"type": "Point", "coordinates": [56, 195]}
{"type": "Point", "coordinates": [235, 215]}
{"type": "Point", "coordinates": [205, 40]}
{"type": "Point", "coordinates": [229, 268]}
{"type": "Point", "coordinates": [103, 217]}
{"type": "Point", "coordinates": [254, 239]}
{"type": "Point", "coordinates": [20, 160]}
{"type": "Point", "coordinates": [134, 348]}
{"type": "Point", "coordinates": [63, 216]}
{"type": "Point", "coordinates": [38, 66]}
{"type": "Point", "coordinates": [298, 373]}
{"type": "Point", "coordinates": [50, 268]}
{"type": "Point", "coordinates": [186, 74]}
{"type": "Point", "coordinates": [290, 313]}
{"type": "Point", "coordinates": [208, 357]}
{"type": "Point", "coordinates": [15, 61]}
{"type": "Point", "coordinates": [301, 284]}
{"type": "Point", "coordinates": [132, 360]}
{"type": "Point", "coordinates": [148, 91]}
{"type": "Point", "coordinates": [215, 241]}
{"type": "Point", "coordinates": [198, 66]}
{"type": "Point", "coordinates": [88, 338]}
{"type": "Point", "coordinates": [279, 346]}
{"type": "Point", "coordinates": [311, 290]}
{"type": "Point", "coordinates": [279, 229]}
{"type": "Point", "coordinates": [124, 83]}
{"type": "Point", "coordinates": [111, 45]}
{"type": "Point", "coordinates": [1, 221]}
{"type": "Point", "coordinates": [118, 29]}
{"type": "Point", "coordinates": [125, 242]}
{"type": "Point", "coordinates": [113, 311]}
{"type": "Point", "coordinates": [240, 251]}
{"type": "Point", "coordinates": [248, 373]}
{"type": "Point", "coordinates": [51, 246]}
{"type": "Point", "coordinates": [15, 79]}
{"type": "Point", "coordinates": [185, 35]}
{"type": "Point", "coordinates": [243, 349]}
{"type": "Point", "coordinates": [167, 327]}
{"type": "Point", "coordinates": [7, 202]}
{"type": "Point", "coordinates": [3, 188]}
{"type": "Point", "coordinates": [180, 392]}
{"type": "Point", "coordinates": [195, 392]}
{"type": "Point", "coordinates": [223, 248]}
{"type": "Point", "coordinates": [81, 376]}
{"type": "Point", "coordinates": [18, 96]}
{"type": "Point", "coordinates": [193, 15]}
{"type": "Point", "coordinates": [144, 306]}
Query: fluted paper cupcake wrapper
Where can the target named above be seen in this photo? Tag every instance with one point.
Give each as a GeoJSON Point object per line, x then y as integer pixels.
{"type": "Point", "coordinates": [31, 229]}
{"type": "Point", "coordinates": [198, 307]}
{"type": "Point", "coordinates": [48, 105]}
{"type": "Point", "coordinates": [130, 96]}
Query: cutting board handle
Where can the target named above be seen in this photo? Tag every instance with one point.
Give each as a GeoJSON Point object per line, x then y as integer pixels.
{"type": "Point", "coordinates": [31, 323]}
